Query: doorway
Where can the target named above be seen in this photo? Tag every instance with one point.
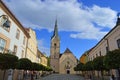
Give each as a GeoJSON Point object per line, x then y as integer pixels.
{"type": "Point", "coordinates": [68, 71]}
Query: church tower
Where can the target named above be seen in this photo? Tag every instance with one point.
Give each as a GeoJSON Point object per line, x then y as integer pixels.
{"type": "Point", "coordinates": [55, 50]}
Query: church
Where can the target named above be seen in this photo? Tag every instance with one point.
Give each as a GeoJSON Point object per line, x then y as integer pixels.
{"type": "Point", "coordinates": [62, 63]}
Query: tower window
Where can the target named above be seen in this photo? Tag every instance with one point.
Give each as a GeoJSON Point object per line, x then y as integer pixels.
{"type": "Point", "coordinates": [55, 45]}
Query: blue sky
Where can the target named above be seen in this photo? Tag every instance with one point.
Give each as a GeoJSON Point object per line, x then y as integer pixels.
{"type": "Point", "coordinates": [81, 23]}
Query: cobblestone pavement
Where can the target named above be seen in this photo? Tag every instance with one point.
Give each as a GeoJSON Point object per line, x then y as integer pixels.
{"type": "Point", "coordinates": [62, 77]}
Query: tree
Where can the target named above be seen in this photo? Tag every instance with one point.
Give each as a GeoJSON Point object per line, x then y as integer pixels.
{"type": "Point", "coordinates": [24, 64]}
{"type": "Point", "coordinates": [79, 67]}
{"type": "Point", "coordinates": [112, 60]}
{"type": "Point", "coordinates": [48, 61]}
{"type": "Point", "coordinates": [88, 66]}
{"type": "Point", "coordinates": [36, 67]}
{"type": "Point", "coordinates": [98, 64]}
{"type": "Point", "coordinates": [7, 61]}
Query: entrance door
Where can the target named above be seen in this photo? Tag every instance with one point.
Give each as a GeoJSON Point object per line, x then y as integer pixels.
{"type": "Point", "coordinates": [68, 71]}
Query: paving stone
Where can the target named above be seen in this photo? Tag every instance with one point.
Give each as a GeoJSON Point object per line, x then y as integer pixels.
{"type": "Point", "coordinates": [62, 77]}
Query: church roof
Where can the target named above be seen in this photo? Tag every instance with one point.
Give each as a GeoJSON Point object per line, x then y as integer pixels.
{"type": "Point", "coordinates": [60, 54]}
{"type": "Point", "coordinates": [67, 51]}
{"type": "Point", "coordinates": [55, 33]}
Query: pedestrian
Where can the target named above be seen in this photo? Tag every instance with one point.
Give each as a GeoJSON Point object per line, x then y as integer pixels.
{"type": "Point", "coordinates": [112, 77]}
{"type": "Point", "coordinates": [90, 77]}
{"type": "Point", "coordinates": [31, 76]}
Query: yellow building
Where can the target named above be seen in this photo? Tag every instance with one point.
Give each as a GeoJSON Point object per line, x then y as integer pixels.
{"type": "Point", "coordinates": [38, 56]}
{"type": "Point", "coordinates": [83, 58]}
{"type": "Point", "coordinates": [42, 59]}
{"type": "Point", "coordinates": [31, 46]}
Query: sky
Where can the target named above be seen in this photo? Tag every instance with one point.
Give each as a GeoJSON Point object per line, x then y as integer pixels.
{"type": "Point", "coordinates": [81, 23]}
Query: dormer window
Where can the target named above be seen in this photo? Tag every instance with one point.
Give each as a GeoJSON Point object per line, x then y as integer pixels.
{"type": "Point", "coordinates": [5, 22]}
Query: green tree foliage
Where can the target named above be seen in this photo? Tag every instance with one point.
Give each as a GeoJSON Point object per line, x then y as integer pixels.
{"type": "Point", "coordinates": [79, 67]}
{"type": "Point", "coordinates": [36, 67]}
{"type": "Point", "coordinates": [98, 63]}
{"type": "Point", "coordinates": [7, 61]}
{"type": "Point", "coordinates": [48, 61]}
{"type": "Point", "coordinates": [112, 59]}
{"type": "Point", "coordinates": [88, 66]}
{"type": "Point", "coordinates": [24, 64]}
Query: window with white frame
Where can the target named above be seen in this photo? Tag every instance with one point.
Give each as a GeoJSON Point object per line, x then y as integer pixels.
{"type": "Point", "coordinates": [18, 34]}
{"type": "Point", "coordinates": [2, 44]}
{"type": "Point", "coordinates": [15, 49]}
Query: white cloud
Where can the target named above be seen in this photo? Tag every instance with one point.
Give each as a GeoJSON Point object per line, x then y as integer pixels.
{"type": "Point", "coordinates": [42, 47]}
{"type": "Point", "coordinates": [89, 35]}
{"type": "Point", "coordinates": [72, 16]}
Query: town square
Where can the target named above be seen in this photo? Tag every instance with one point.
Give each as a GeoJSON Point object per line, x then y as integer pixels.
{"type": "Point", "coordinates": [59, 40]}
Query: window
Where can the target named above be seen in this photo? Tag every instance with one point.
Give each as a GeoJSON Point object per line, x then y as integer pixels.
{"type": "Point", "coordinates": [2, 44]}
{"type": "Point", "coordinates": [118, 43]}
{"type": "Point", "coordinates": [15, 49]}
{"type": "Point", "coordinates": [96, 55]}
{"type": "Point", "coordinates": [18, 34]}
{"type": "Point", "coordinates": [100, 53]}
{"type": "Point", "coordinates": [107, 49]}
{"type": "Point", "coordinates": [5, 22]}
{"type": "Point", "coordinates": [24, 39]}
{"type": "Point", "coordinates": [55, 45]}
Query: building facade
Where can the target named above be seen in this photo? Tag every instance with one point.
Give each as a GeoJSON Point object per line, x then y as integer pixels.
{"type": "Point", "coordinates": [42, 58]}
{"type": "Point", "coordinates": [31, 46]}
{"type": "Point", "coordinates": [67, 62]}
{"type": "Point", "coordinates": [13, 36]}
{"type": "Point", "coordinates": [61, 63]}
{"type": "Point", "coordinates": [109, 42]}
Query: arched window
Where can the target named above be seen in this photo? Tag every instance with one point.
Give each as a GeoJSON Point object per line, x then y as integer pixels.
{"type": "Point", "coordinates": [5, 22]}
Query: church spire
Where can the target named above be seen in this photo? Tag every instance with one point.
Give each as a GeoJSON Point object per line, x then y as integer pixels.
{"type": "Point", "coordinates": [56, 29]}
{"type": "Point", "coordinates": [55, 34]}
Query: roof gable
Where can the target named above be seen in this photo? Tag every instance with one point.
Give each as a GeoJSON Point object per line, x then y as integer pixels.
{"type": "Point", "coordinates": [67, 51]}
